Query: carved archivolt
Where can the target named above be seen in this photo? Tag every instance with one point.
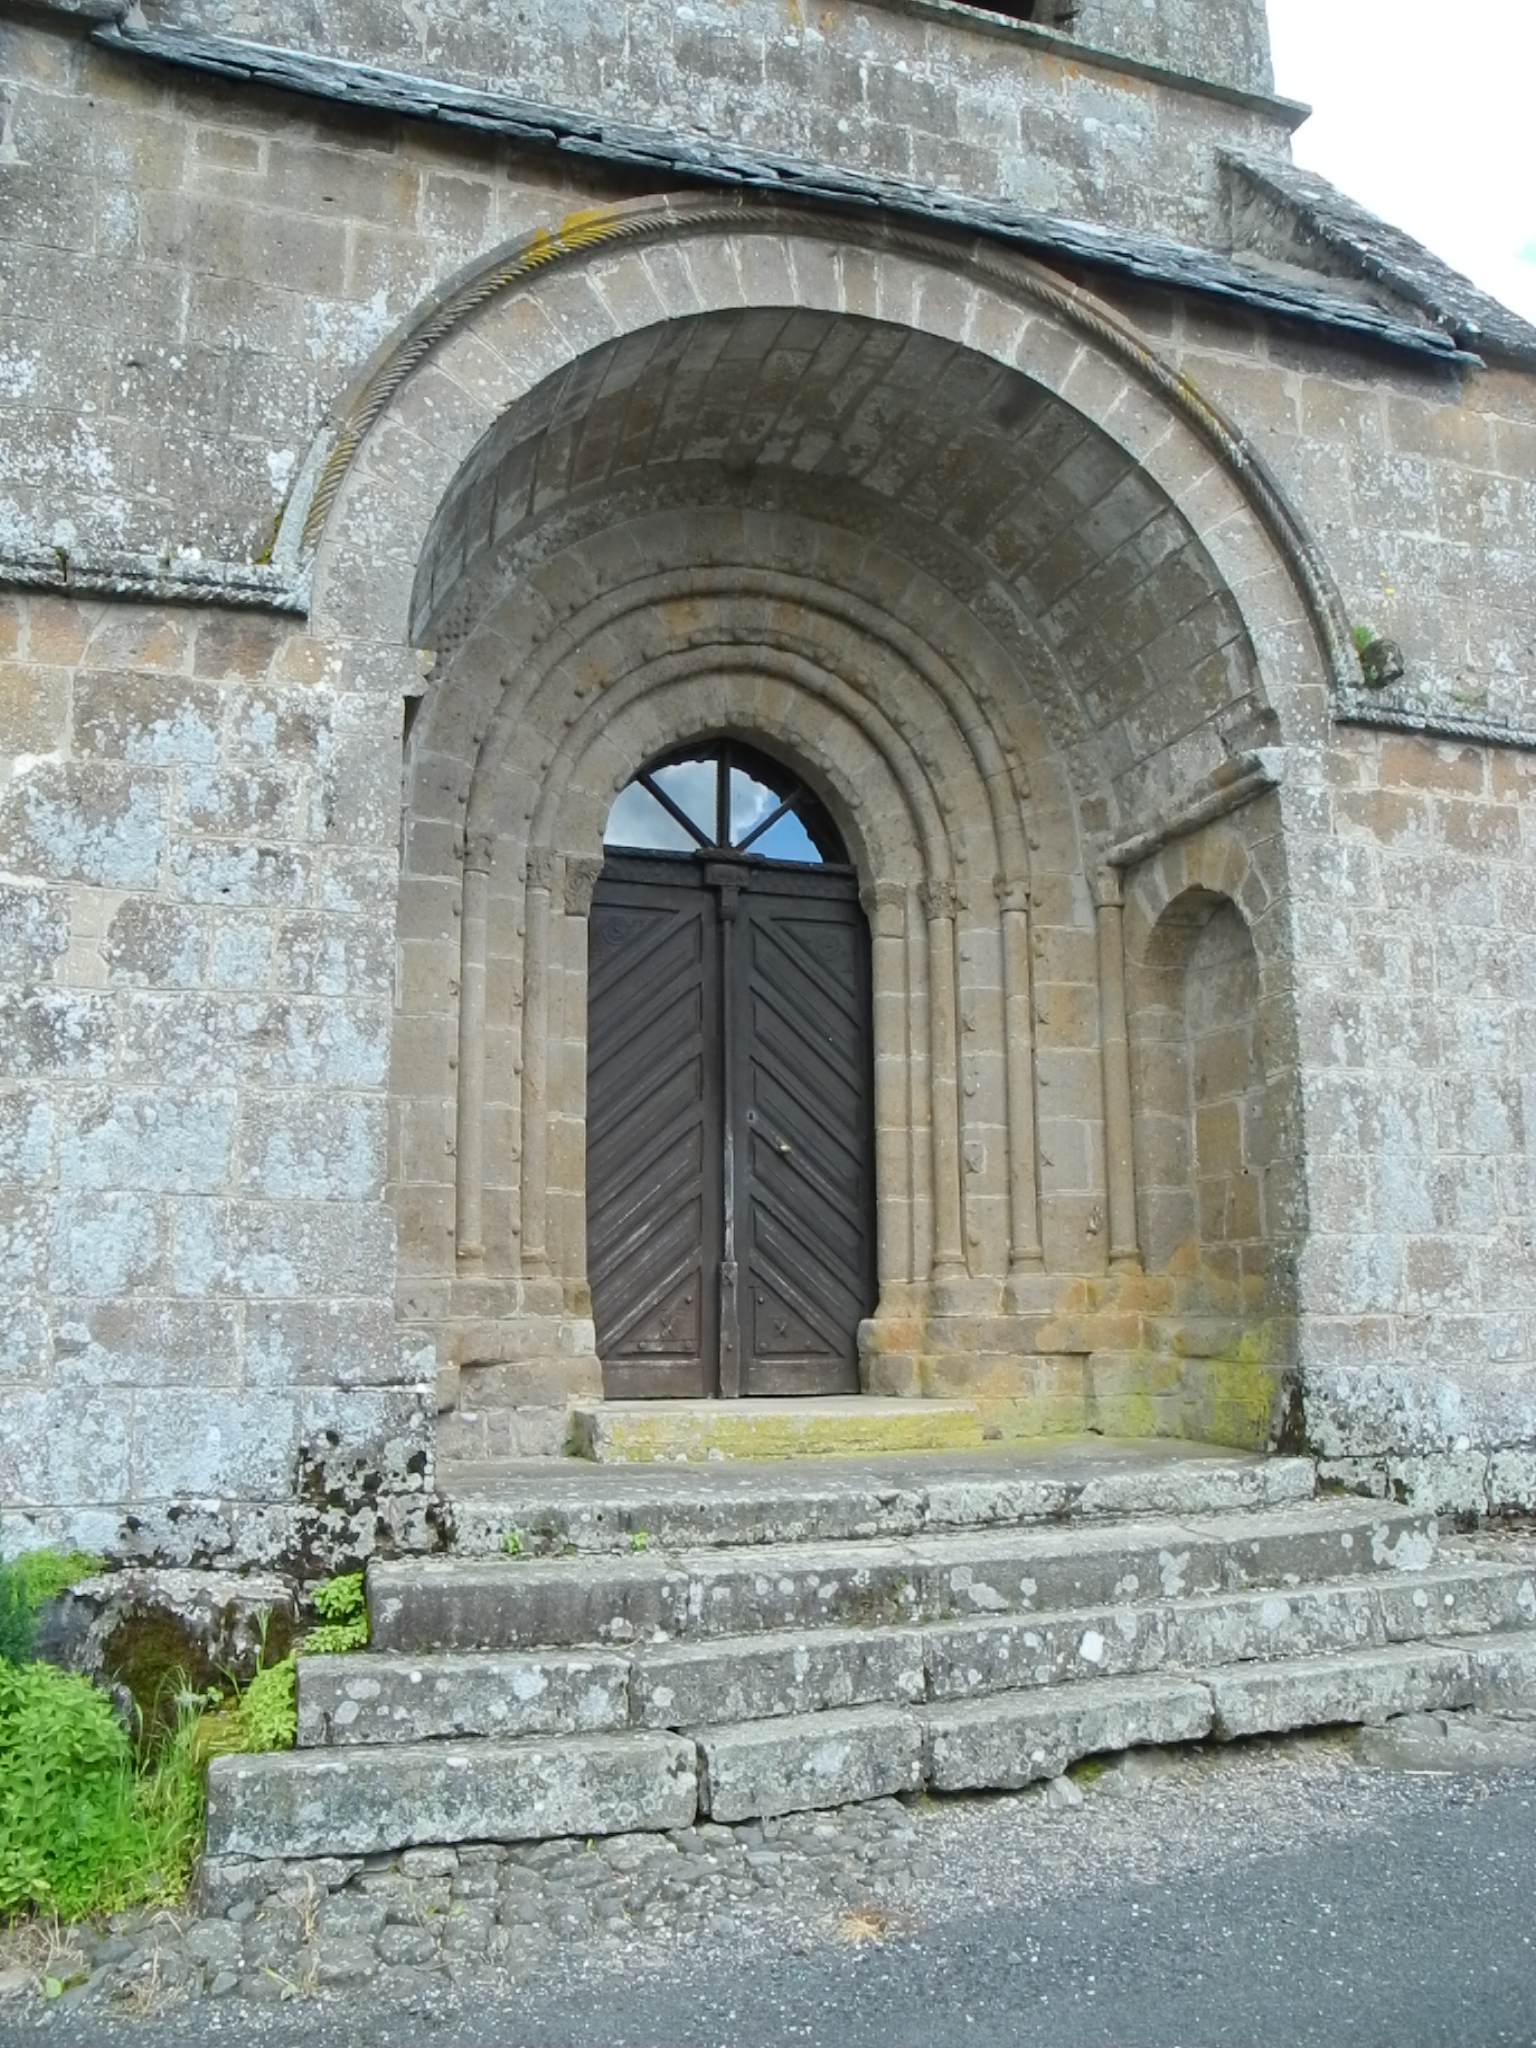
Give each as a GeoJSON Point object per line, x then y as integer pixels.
{"type": "Point", "coordinates": [537, 261]}
{"type": "Point", "coordinates": [905, 760]}
{"type": "Point", "coordinates": [969, 785]}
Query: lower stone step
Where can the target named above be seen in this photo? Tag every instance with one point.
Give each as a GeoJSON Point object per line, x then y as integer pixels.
{"type": "Point", "coordinates": [700, 1432]}
{"type": "Point", "coordinates": [370, 1699]}
{"type": "Point", "coordinates": [356, 1802]}
{"type": "Point", "coordinates": [764, 1768]}
{"type": "Point", "coordinates": [1014, 1739]}
{"type": "Point", "coordinates": [365, 1801]}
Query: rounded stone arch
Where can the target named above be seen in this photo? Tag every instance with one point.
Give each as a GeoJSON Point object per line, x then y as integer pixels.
{"type": "Point", "coordinates": [976, 737]}
{"type": "Point", "coordinates": [534, 310]}
{"type": "Point", "coordinates": [1214, 1071]}
{"type": "Point", "coordinates": [874, 619]}
{"type": "Point", "coordinates": [789, 711]}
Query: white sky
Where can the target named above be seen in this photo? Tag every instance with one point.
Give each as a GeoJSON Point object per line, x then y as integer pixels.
{"type": "Point", "coordinates": [1425, 110]}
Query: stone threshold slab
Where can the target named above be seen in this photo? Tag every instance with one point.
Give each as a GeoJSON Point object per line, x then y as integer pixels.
{"type": "Point", "coordinates": [720, 1432]}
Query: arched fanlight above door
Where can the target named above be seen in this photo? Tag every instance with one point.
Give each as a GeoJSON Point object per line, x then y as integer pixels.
{"type": "Point", "coordinates": [722, 797]}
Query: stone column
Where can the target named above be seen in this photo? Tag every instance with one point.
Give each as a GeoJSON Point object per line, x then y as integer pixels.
{"type": "Point", "coordinates": [469, 1120]}
{"type": "Point", "coordinates": [941, 906]}
{"type": "Point", "coordinates": [1024, 1250]}
{"type": "Point", "coordinates": [581, 873]}
{"type": "Point", "coordinates": [1115, 1049]}
{"type": "Point", "coordinates": [535, 1119]}
{"type": "Point", "coordinates": [885, 906]}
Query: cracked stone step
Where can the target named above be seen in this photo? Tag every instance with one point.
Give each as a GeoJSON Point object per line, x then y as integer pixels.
{"type": "Point", "coordinates": [766, 1768]}
{"type": "Point", "coordinates": [576, 1507]}
{"type": "Point", "coordinates": [1010, 1739]}
{"type": "Point", "coordinates": [1013, 1739]}
{"type": "Point", "coordinates": [372, 1698]}
{"type": "Point", "coordinates": [1319, 1692]}
{"type": "Point", "coordinates": [361, 1802]}
{"type": "Point", "coordinates": [528, 1603]}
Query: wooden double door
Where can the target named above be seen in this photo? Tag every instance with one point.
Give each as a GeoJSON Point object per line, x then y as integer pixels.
{"type": "Point", "coordinates": [730, 1127]}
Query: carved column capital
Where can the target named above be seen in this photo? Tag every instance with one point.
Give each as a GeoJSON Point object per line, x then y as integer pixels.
{"type": "Point", "coordinates": [542, 863]}
{"type": "Point", "coordinates": [1108, 889]}
{"type": "Point", "coordinates": [885, 905]}
{"type": "Point", "coordinates": [581, 873]}
{"type": "Point", "coordinates": [941, 899]}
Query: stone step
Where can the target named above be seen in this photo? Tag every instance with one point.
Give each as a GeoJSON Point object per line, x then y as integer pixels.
{"type": "Point", "coordinates": [534, 1603]}
{"type": "Point", "coordinates": [355, 1802]}
{"type": "Point", "coordinates": [559, 1506]}
{"type": "Point", "coordinates": [371, 1800]}
{"type": "Point", "coordinates": [701, 1432]}
{"type": "Point", "coordinates": [371, 1698]}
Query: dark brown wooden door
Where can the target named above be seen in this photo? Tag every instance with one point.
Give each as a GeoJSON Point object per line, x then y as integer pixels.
{"type": "Point", "coordinates": [730, 1191]}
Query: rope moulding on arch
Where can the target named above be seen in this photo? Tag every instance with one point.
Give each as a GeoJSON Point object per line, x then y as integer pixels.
{"type": "Point", "coordinates": [651, 220]}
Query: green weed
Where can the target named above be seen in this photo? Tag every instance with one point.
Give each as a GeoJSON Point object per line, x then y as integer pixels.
{"type": "Point", "coordinates": [25, 1585]}
{"type": "Point", "coordinates": [267, 1711]}
{"type": "Point", "coordinates": [85, 1827]}
{"type": "Point", "coordinates": [343, 1604]}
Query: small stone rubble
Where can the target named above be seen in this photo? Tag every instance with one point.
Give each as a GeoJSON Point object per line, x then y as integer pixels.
{"type": "Point", "coordinates": [431, 1920]}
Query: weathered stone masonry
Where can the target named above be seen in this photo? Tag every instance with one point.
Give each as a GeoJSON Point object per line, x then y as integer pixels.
{"type": "Point", "coordinates": [989, 423]}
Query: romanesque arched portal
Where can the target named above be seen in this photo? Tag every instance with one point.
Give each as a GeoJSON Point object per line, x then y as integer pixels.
{"type": "Point", "coordinates": [968, 574]}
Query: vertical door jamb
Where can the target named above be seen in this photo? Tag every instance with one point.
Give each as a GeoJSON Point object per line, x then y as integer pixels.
{"type": "Point", "coordinates": [726, 881]}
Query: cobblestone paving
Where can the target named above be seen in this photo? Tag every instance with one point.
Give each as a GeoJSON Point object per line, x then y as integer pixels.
{"type": "Point", "coordinates": [432, 1918]}
{"type": "Point", "coordinates": [434, 1930]}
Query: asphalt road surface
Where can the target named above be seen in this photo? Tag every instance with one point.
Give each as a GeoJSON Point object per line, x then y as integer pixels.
{"type": "Point", "coordinates": [1275, 1909]}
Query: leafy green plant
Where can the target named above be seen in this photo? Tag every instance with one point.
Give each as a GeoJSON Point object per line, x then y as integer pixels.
{"type": "Point", "coordinates": [81, 1831]}
{"type": "Point", "coordinates": [639, 1541]}
{"type": "Point", "coordinates": [343, 1604]}
{"type": "Point", "coordinates": [514, 1543]}
{"type": "Point", "coordinates": [267, 1714]}
{"type": "Point", "coordinates": [26, 1584]}
{"type": "Point", "coordinates": [1364, 636]}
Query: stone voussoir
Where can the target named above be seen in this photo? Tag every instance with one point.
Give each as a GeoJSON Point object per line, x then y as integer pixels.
{"type": "Point", "coordinates": [362, 1802]}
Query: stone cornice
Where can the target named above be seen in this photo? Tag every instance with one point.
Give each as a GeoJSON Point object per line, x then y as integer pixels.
{"type": "Point", "coordinates": [150, 579]}
{"type": "Point", "coordinates": [1434, 723]}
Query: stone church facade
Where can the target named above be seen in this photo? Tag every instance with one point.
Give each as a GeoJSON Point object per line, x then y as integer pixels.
{"type": "Point", "coordinates": [419, 422]}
